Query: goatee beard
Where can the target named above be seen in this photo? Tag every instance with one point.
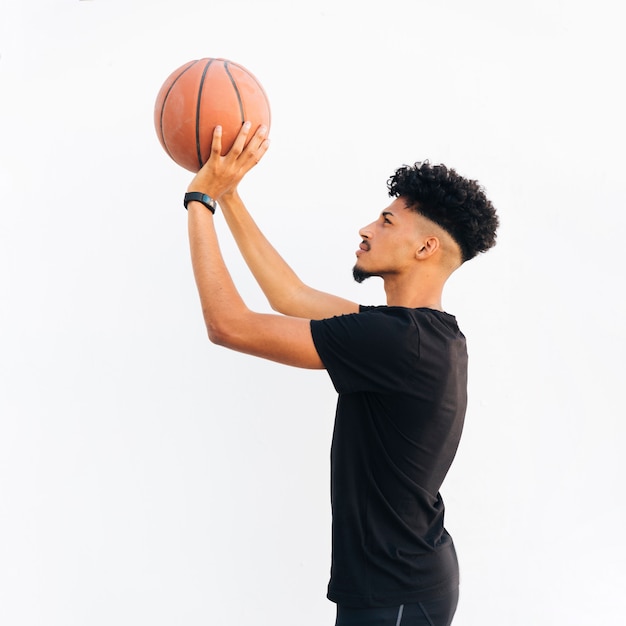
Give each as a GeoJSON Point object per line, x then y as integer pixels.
{"type": "Point", "coordinates": [359, 275]}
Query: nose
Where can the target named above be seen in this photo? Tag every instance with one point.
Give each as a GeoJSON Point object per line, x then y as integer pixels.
{"type": "Point", "coordinates": [366, 232]}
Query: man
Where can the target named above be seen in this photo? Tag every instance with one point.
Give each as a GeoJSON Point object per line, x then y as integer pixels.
{"type": "Point", "coordinates": [400, 371]}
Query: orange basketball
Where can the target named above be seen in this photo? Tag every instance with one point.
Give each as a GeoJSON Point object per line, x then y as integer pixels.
{"type": "Point", "coordinates": [201, 95]}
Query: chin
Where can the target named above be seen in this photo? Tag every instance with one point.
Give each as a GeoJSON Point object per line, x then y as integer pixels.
{"type": "Point", "coordinates": [360, 275]}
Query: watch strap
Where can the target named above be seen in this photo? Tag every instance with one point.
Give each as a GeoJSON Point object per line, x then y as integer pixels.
{"type": "Point", "coordinates": [202, 198]}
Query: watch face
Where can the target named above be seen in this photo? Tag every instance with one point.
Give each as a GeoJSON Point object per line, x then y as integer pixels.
{"type": "Point", "coordinates": [208, 201]}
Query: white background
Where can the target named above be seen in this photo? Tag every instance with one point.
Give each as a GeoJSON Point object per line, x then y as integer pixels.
{"type": "Point", "coordinates": [149, 477]}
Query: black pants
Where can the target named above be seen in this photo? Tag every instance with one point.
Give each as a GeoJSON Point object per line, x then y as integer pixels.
{"type": "Point", "coordinates": [437, 612]}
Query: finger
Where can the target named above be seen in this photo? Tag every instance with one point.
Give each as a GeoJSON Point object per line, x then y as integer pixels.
{"type": "Point", "coordinates": [258, 138]}
{"type": "Point", "coordinates": [253, 153]}
{"type": "Point", "coordinates": [255, 148]}
{"type": "Point", "coordinates": [216, 143]}
{"type": "Point", "coordinates": [262, 149]}
{"type": "Point", "coordinates": [240, 140]}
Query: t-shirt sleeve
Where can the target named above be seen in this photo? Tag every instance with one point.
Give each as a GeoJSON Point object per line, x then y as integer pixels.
{"type": "Point", "coordinates": [372, 350]}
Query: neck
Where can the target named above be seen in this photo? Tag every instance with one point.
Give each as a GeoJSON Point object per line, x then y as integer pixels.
{"type": "Point", "coordinates": [422, 293]}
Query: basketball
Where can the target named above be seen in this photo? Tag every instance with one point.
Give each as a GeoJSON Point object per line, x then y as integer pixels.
{"type": "Point", "coordinates": [201, 95]}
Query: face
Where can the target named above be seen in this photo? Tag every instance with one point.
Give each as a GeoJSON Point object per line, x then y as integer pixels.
{"type": "Point", "coordinates": [388, 244]}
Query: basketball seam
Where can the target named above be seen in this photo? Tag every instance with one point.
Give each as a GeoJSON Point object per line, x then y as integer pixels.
{"type": "Point", "coordinates": [163, 105]}
{"type": "Point", "coordinates": [234, 83]}
{"type": "Point", "coordinates": [198, 109]}
{"type": "Point", "coordinates": [258, 84]}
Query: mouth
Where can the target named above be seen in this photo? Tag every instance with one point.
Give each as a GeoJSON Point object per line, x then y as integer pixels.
{"type": "Point", "coordinates": [363, 247]}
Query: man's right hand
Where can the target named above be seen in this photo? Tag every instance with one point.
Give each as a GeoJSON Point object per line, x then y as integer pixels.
{"type": "Point", "coordinates": [221, 174]}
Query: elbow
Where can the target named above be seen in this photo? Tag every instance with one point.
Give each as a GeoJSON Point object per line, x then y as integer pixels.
{"type": "Point", "coordinates": [215, 330]}
{"type": "Point", "coordinates": [292, 301]}
{"type": "Point", "coordinates": [217, 334]}
{"type": "Point", "coordinates": [277, 307]}
{"type": "Point", "coordinates": [285, 304]}
{"type": "Point", "coordinates": [227, 326]}
{"type": "Point", "coordinates": [225, 332]}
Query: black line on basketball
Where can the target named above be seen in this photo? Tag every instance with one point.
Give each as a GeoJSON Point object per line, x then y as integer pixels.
{"type": "Point", "coordinates": [232, 80]}
{"type": "Point", "coordinates": [165, 100]}
{"type": "Point", "coordinates": [198, 108]}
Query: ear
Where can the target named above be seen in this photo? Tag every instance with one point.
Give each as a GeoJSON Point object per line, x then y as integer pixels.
{"type": "Point", "coordinates": [427, 248]}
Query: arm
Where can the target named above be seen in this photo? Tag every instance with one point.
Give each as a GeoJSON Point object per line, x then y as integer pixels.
{"type": "Point", "coordinates": [285, 292]}
{"type": "Point", "coordinates": [228, 320]}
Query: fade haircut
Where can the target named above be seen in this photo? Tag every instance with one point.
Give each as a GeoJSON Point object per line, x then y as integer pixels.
{"type": "Point", "coordinates": [455, 203]}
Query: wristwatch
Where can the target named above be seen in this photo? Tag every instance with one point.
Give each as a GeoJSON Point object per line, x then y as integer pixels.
{"type": "Point", "coordinates": [202, 198]}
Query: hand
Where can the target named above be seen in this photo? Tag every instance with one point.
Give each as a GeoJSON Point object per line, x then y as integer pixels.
{"type": "Point", "coordinates": [220, 175]}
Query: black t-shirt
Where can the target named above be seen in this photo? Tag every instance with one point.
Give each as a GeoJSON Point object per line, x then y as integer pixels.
{"type": "Point", "coordinates": [401, 375]}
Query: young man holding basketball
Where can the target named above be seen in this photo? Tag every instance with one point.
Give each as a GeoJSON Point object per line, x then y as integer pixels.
{"type": "Point", "coordinates": [400, 371]}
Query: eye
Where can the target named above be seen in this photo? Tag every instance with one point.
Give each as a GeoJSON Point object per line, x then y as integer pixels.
{"type": "Point", "coordinates": [386, 220]}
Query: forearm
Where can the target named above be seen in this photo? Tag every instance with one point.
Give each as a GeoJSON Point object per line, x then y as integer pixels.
{"type": "Point", "coordinates": [284, 290]}
{"type": "Point", "coordinates": [221, 303]}
{"type": "Point", "coordinates": [278, 281]}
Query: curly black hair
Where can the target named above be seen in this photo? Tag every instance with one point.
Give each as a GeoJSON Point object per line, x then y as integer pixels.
{"type": "Point", "coordinates": [455, 203]}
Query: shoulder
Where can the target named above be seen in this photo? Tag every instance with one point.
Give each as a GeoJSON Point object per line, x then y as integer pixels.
{"type": "Point", "coordinates": [375, 327]}
{"type": "Point", "coordinates": [415, 316]}
{"type": "Point", "coordinates": [404, 324]}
